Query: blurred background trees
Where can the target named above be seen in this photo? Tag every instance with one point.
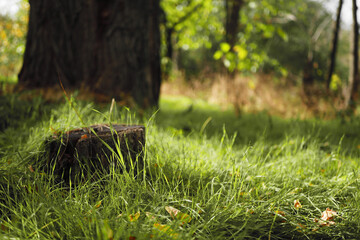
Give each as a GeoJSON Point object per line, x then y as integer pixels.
{"type": "Point", "coordinates": [12, 42]}
{"type": "Point", "coordinates": [259, 42]}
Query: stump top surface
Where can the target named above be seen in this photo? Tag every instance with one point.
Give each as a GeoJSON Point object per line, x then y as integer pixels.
{"type": "Point", "coordinates": [105, 129]}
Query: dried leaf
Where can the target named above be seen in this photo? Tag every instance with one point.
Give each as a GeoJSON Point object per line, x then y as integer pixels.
{"type": "Point", "coordinates": [250, 211]}
{"type": "Point", "coordinates": [280, 213]}
{"type": "Point", "coordinates": [166, 229]}
{"type": "Point", "coordinates": [175, 213]}
{"type": "Point", "coordinates": [326, 217]}
{"type": "Point", "coordinates": [134, 217]}
{"type": "Point", "coordinates": [84, 136]}
{"type": "Point", "coordinates": [296, 190]}
{"type": "Point", "coordinates": [150, 215]}
{"type": "Point", "coordinates": [299, 225]}
{"type": "Point", "coordinates": [185, 218]}
{"type": "Point", "coordinates": [328, 214]}
{"type": "Point", "coordinates": [297, 204]}
{"type": "Point", "coordinates": [172, 211]}
{"type": "Point", "coordinates": [98, 204]}
{"type": "Point", "coordinates": [31, 168]}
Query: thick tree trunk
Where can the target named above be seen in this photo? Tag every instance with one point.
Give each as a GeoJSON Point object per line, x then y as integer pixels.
{"type": "Point", "coordinates": [352, 88]}
{"type": "Point", "coordinates": [334, 44]}
{"type": "Point", "coordinates": [109, 46]}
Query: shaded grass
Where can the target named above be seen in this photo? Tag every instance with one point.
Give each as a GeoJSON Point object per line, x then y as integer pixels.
{"type": "Point", "coordinates": [236, 178]}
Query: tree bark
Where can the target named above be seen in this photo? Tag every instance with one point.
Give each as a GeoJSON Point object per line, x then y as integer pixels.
{"type": "Point", "coordinates": [334, 44]}
{"type": "Point", "coordinates": [232, 8]}
{"type": "Point", "coordinates": [108, 46]}
{"type": "Point", "coordinates": [352, 88]}
{"type": "Point", "coordinates": [232, 20]}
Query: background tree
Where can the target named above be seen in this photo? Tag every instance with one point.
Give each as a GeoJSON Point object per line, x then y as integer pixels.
{"type": "Point", "coordinates": [110, 47]}
{"type": "Point", "coordinates": [188, 27]}
{"type": "Point", "coordinates": [334, 44]}
{"type": "Point", "coordinates": [352, 88]}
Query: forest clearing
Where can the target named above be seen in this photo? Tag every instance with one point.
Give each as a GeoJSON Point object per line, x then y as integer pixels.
{"type": "Point", "coordinates": [221, 119]}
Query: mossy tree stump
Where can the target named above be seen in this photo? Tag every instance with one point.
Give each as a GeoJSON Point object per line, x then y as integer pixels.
{"type": "Point", "coordinates": [80, 153]}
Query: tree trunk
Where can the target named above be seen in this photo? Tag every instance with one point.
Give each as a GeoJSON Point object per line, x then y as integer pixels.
{"type": "Point", "coordinates": [352, 88]}
{"type": "Point", "coordinates": [108, 46]}
{"type": "Point", "coordinates": [232, 20]}
{"type": "Point", "coordinates": [334, 44]}
{"type": "Point", "coordinates": [232, 8]}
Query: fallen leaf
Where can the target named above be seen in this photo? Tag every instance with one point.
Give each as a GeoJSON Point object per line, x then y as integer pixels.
{"type": "Point", "coordinates": [280, 213]}
{"type": "Point", "coordinates": [150, 215]}
{"type": "Point", "coordinates": [4, 228]}
{"type": "Point", "coordinates": [54, 131]}
{"type": "Point", "coordinates": [296, 190]}
{"type": "Point", "coordinates": [299, 225]}
{"type": "Point", "coordinates": [250, 211]}
{"type": "Point", "coordinates": [31, 168]}
{"type": "Point", "coordinates": [326, 217]}
{"type": "Point", "coordinates": [98, 204]}
{"type": "Point", "coordinates": [166, 229]}
{"type": "Point", "coordinates": [84, 136]}
{"type": "Point", "coordinates": [176, 213]}
{"type": "Point", "coordinates": [297, 204]}
{"type": "Point", "coordinates": [134, 217]}
{"type": "Point", "coordinates": [172, 211]}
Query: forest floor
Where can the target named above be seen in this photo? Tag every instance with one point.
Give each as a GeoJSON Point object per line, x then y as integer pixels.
{"type": "Point", "coordinates": [257, 176]}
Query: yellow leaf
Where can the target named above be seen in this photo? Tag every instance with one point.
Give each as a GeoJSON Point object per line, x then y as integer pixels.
{"type": "Point", "coordinates": [166, 229]}
{"type": "Point", "coordinates": [185, 218]}
{"type": "Point", "coordinates": [3, 35]}
{"type": "Point", "coordinates": [134, 217]}
{"type": "Point", "coordinates": [98, 204]}
{"type": "Point", "coordinates": [251, 84]}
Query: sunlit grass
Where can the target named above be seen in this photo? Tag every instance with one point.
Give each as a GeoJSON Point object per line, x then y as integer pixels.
{"type": "Point", "coordinates": [235, 177]}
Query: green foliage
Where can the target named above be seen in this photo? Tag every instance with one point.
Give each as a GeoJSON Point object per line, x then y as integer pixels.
{"type": "Point", "coordinates": [227, 185]}
{"type": "Point", "coordinates": [194, 21]}
{"type": "Point", "coordinates": [335, 83]}
{"type": "Point", "coordinates": [12, 43]}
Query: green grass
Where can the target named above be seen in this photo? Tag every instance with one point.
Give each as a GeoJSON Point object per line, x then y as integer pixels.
{"type": "Point", "coordinates": [237, 178]}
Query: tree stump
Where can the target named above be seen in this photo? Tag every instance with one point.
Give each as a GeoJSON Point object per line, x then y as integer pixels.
{"type": "Point", "coordinates": [79, 153]}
